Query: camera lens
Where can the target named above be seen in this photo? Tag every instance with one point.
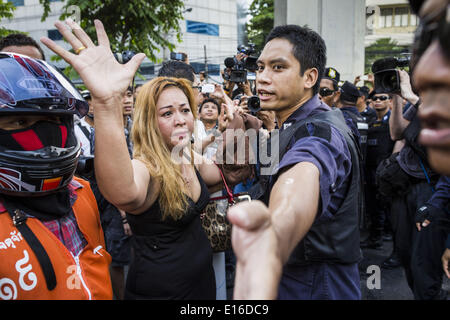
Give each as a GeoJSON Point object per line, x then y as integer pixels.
{"type": "Point", "coordinates": [254, 104]}
{"type": "Point", "coordinates": [390, 81]}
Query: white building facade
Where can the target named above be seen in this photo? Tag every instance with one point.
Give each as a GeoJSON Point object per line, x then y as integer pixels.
{"type": "Point", "coordinates": [390, 19]}
{"type": "Point", "coordinates": [209, 31]}
{"type": "Point", "coordinates": [341, 23]}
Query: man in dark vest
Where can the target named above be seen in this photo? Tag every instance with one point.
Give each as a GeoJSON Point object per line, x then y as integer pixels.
{"type": "Point", "coordinates": [363, 107]}
{"type": "Point", "coordinates": [302, 240]}
{"type": "Point", "coordinates": [347, 104]}
{"type": "Point", "coordinates": [379, 147]}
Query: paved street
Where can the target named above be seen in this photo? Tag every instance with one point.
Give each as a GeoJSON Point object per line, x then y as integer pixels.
{"type": "Point", "coordinates": [393, 282]}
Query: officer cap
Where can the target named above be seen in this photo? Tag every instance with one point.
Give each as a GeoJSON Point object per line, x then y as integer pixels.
{"type": "Point", "coordinates": [332, 74]}
{"type": "Point", "coordinates": [349, 92]}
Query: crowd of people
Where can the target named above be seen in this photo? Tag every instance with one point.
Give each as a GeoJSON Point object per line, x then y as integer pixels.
{"type": "Point", "coordinates": [102, 191]}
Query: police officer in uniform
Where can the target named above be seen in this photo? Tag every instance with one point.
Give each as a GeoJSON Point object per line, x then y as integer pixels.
{"type": "Point", "coordinates": [379, 147]}
{"type": "Point", "coordinates": [310, 246]}
{"type": "Point", "coordinates": [329, 87]}
{"type": "Point", "coordinates": [364, 109]}
{"type": "Point", "coordinates": [347, 104]}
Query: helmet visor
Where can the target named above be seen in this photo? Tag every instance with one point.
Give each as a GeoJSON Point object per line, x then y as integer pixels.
{"type": "Point", "coordinates": [33, 85]}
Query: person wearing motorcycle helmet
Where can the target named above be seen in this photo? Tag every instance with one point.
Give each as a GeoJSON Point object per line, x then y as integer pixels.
{"type": "Point", "coordinates": [49, 223]}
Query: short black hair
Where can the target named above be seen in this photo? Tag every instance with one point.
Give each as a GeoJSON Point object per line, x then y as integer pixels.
{"type": "Point", "coordinates": [177, 69]}
{"type": "Point", "coordinates": [308, 48]}
{"type": "Point", "coordinates": [20, 40]}
{"type": "Point", "coordinates": [210, 100]}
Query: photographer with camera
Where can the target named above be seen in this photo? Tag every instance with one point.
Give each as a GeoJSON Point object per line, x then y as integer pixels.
{"type": "Point", "coordinates": [238, 69]}
{"type": "Point", "coordinates": [407, 178]}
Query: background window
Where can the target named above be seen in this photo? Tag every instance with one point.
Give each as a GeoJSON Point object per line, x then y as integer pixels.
{"type": "Point", "coordinates": [54, 35]}
{"type": "Point", "coordinates": [414, 20]}
{"type": "Point", "coordinates": [386, 17]}
{"type": "Point", "coordinates": [202, 28]}
{"type": "Point", "coordinates": [213, 69]}
{"type": "Point", "coordinates": [17, 3]}
{"type": "Point", "coordinates": [147, 69]}
{"type": "Point", "coordinates": [401, 17]}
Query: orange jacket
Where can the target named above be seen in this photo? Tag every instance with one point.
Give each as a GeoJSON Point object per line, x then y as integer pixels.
{"type": "Point", "coordinates": [85, 276]}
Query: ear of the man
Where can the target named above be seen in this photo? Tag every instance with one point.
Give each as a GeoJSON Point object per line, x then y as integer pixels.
{"type": "Point", "coordinates": [337, 96]}
{"type": "Point", "coordinates": [310, 76]}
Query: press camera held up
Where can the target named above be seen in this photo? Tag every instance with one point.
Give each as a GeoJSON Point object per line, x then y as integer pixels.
{"type": "Point", "coordinates": [241, 67]}
{"type": "Point", "coordinates": [387, 78]}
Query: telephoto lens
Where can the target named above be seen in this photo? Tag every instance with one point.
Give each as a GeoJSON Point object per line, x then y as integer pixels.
{"type": "Point", "coordinates": [254, 104]}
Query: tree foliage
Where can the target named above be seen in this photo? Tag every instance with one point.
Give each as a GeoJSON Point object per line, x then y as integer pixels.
{"type": "Point", "coordinates": [382, 48]}
{"type": "Point", "coordinates": [137, 25]}
{"type": "Point", "coordinates": [6, 11]}
{"type": "Point", "coordinates": [261, 22]}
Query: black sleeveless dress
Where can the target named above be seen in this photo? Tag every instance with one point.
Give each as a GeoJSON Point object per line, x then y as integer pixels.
{"type": "Point", "coordinates": [172, 259]}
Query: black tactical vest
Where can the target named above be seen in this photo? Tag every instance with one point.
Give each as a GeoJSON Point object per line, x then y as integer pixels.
{"type": "Point", "coordinates": [379, 143]}
{"type": "Point", "coordinates": [363, 128]}
{"type": "Point", "coordinates": [335, 240]}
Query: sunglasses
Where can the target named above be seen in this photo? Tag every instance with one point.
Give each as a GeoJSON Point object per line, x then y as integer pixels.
{"type": "Point", "coordinates": [435, 26]}
{"type": "Point", "coordinates": [381, 98]}
{"type": "Point", "coordinates": [325, 92]}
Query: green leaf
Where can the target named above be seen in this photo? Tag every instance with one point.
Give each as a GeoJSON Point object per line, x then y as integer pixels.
{"type": "Point", "coordinates": [136, 25]}
{"type": "Point", "coordinates": [259, 26]}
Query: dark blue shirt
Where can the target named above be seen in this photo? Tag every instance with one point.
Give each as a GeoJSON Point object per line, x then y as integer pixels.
{"type": "Point", "coordinates": [332, 158]}
{"type": "Point", "coordinates": [347, 112]}
{"type": "Point", "coordinates": [441, 198]}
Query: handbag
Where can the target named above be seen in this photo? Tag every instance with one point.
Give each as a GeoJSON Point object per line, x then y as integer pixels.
{"type": "Point", "coordinates": [214, 218]}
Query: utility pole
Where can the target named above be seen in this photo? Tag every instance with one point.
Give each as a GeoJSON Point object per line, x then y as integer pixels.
{"type": "Point", "coordinates": [206, 64]}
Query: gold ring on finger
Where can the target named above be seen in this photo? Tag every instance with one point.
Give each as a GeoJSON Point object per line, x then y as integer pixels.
{"type": "Point", "coordinates": [80, 49]}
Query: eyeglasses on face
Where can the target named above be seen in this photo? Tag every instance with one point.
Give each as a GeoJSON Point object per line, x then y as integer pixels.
{"type": "Point", "coordinates": [325, 92]}
{"type": "Point", "coordinates": [381, 98]}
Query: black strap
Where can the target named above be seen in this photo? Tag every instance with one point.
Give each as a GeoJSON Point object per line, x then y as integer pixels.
{"type": "Point", "coordinates": [19, 219]}
{"type": "Point", "coordinates": [86, 132]}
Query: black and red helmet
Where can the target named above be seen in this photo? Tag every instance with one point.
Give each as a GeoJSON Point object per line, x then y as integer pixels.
{"type": "Point", "coordinates": [32, 87]}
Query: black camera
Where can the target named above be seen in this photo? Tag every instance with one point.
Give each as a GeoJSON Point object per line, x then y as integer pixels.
{"type": "Point", "coordinates": [124, 57]}
{"type": "Point", "coordinates": [85, 167]}
{"type": "Point", "coordinates": [254, 104]}
{"type": "Point", "coordinates": [387, 77]}
{"type": "Point", "coordinates": [239, 68]}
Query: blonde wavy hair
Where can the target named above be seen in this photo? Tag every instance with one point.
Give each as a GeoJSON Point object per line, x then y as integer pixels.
{"type": "Point", "coordinates": [150, 148]}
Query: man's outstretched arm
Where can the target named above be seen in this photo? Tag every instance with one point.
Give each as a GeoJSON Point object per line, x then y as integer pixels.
{"type": "Point", "coordinates": [263, 238]}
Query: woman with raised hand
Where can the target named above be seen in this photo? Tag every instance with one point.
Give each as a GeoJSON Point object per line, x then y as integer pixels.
{"type": "Point", "coordinates": [165, 187]}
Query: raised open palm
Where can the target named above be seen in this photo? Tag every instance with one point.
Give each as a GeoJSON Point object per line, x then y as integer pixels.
{"type": "Point", "coordinates": [103, 76]}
